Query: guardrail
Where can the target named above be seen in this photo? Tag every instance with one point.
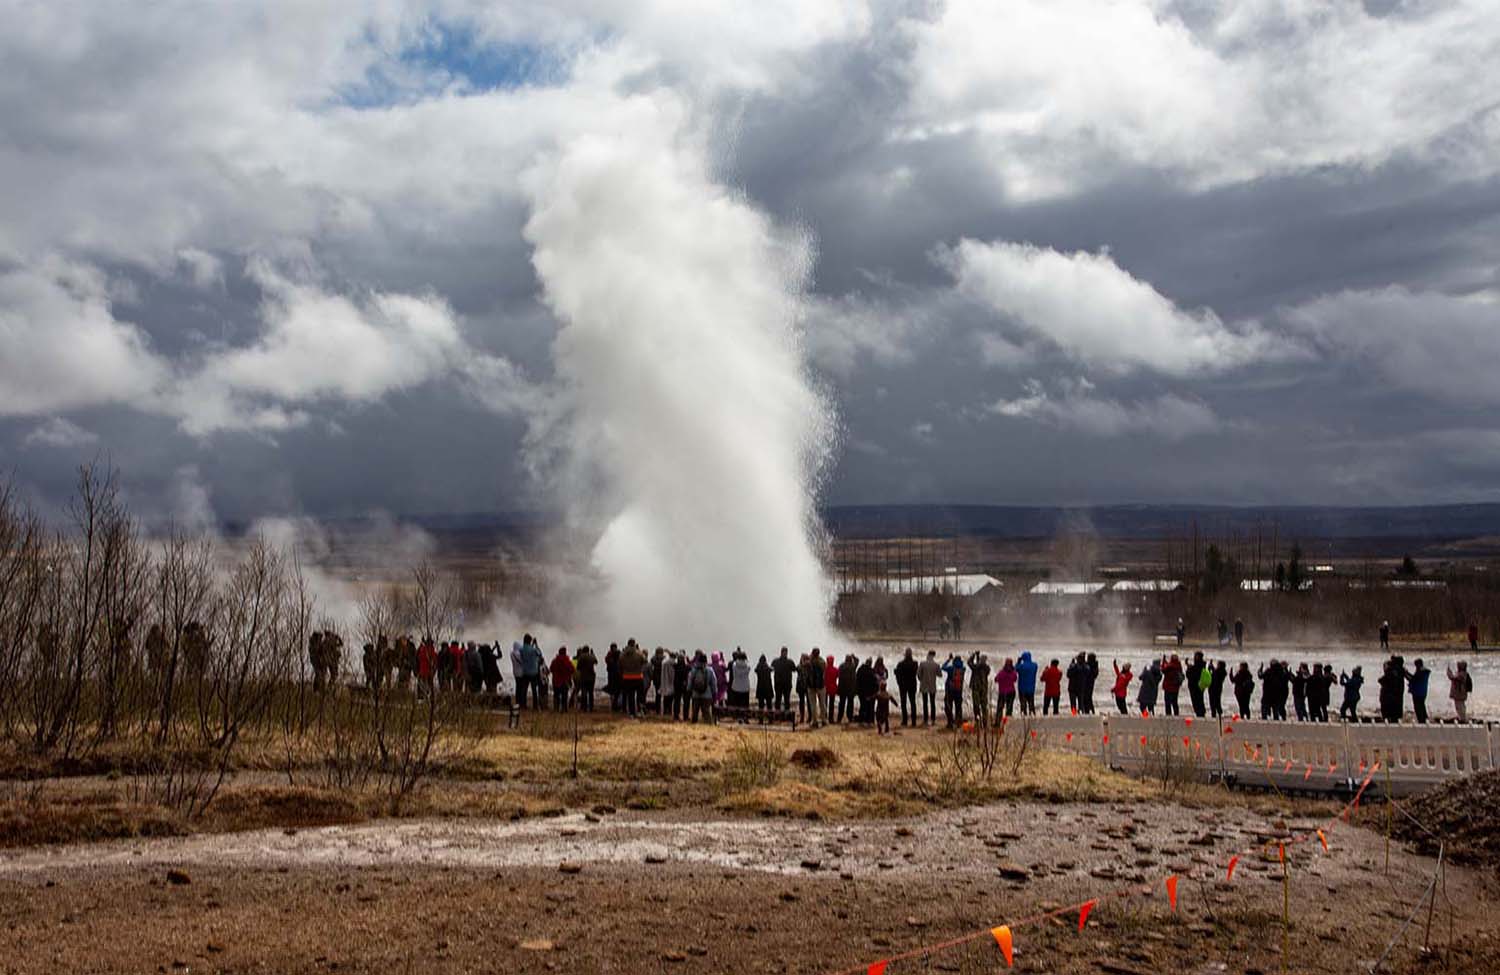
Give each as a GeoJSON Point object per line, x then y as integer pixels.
{"type": "Point", "coordinates": [1287, 754]}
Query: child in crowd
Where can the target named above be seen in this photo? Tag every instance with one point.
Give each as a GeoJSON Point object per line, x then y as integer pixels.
{"type": "Point", "coordinates": [883, 700]}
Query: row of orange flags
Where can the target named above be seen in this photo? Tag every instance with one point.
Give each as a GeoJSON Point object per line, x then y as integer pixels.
{"type": "Point", "coordinates": [1005, 940]}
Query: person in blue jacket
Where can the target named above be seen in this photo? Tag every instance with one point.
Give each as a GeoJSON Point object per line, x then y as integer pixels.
{"type": "Point", "coordinates": [1349, 710]}
{"type": "Point", "coordinates": [533, 662]}
{"type": "Point", "coordinates": [1026, 682]}
{"type": "Point", "coordinates": [1416, 685]}
{"type": "Point", "coordinates": [953, 690]}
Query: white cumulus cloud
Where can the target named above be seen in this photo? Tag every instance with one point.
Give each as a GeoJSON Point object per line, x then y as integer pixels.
{"type": "Point", "coordinates": [1099, 314]}
{"type": "Point", "coordinates": [1076, 407]}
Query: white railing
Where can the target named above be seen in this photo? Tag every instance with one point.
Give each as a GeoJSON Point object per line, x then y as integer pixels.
{"type": "Point", "coordinates": [1287, 754]}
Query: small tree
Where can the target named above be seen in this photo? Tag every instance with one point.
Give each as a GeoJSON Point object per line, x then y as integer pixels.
{"type": "Point", "coordinates": [1295, 573]}
{"type": "Point", "coordinates": [1219, 572]}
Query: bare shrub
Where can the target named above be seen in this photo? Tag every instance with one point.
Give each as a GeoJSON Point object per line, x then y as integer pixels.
{"type": "Point", "coordinates": [183, 608]}
{"type": "Point", "coordinates": [91, 585]}
{"type": "Point", "coordinates": [960, 768]}
{"type": "Point", "coordinates": [22, 575]}
{"type": "Point", "coordinates": [1170, 765]}
{"type": "Point", "coordinates": [260, 620]}
{"type": "Point", "coordinates": [755, 762]}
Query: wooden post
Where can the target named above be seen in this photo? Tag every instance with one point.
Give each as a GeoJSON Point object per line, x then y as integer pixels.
{"type": "Point", "coordinates": [1286, 910]}
{"type": "Point", "coordinates": [1389, 814]}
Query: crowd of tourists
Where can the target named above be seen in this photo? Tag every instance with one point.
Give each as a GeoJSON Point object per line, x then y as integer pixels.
{"type": "Point", "coordinates": [823, 689]}
{"type": "Point", "coordinates": [1309, 691]}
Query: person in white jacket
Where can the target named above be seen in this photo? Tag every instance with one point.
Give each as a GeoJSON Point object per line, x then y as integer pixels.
{"type": "Point", "coordinates": [667, 671]}
{"type": "Point", "coordinates": [739, 680]}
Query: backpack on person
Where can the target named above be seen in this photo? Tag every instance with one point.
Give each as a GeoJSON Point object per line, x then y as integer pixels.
{"type": "Point", "coordinates": [1468, 682]}
{"type": "Point", "coordinates": [698, 683]}
{"type": "Point", "coordinates": [1205, 678]}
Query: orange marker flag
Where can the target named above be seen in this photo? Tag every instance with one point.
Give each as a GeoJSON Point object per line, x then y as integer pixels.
{"type": "Point", "coordinates": [1324, 840]}
{"type": "Point", "coordinates": [1234, 861]}
{"type": "Point", "coordinates": [1233, 718]}
{"type": "Point", "coordinates": [1070, 736]}
{"type": "Point", "coordinates": [1288, 766]}
{"type": "Point", "coordinates": [1308, 774]}
{"type": "Point", "coordinates": [1033, 732]}
{"type": "Point", "coordinates": [1172, 891]}
{"type": "Point", "coordinates": [1002, 938]}
{"type": "Point", "coordinates": [1074, 710]}
{"type": "Point", "coordinates": [1083, 914]}
{"type": "Point", "coordinates": [876, 968]}
{"type": "Point", "coordinates": [1282, 848]}
{"type": "Point", "coordinates": [1188, 721]}
{"type": "Point", "coordinates": [1229, 730]}
{"type": "Point", "coordinates": [1187, 742]}
{"type": "Point", "coordinates": [1105, 739]}
{"type": "Point", "coordinates": [1333, 767]}
{"type": "Point", "coordinates": [1143, 741]}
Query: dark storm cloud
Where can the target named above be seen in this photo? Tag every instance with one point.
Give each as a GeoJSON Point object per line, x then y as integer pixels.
{"type": "Point", "coordinates": [1261, 263]}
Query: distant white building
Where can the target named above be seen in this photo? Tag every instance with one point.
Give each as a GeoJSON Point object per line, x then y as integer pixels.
{"type": "Point", "coordinates": [1047, 588]}
{"type": "Point", "coordinates": [949, 583]}
{"type": "Point", "coordinates": [1269, 585]}
{"type": "Point", "coordinates": [1148, 585]}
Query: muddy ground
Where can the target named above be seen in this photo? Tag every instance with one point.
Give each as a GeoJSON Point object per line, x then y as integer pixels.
{"type": "Point", "coordinates": [606, 891]}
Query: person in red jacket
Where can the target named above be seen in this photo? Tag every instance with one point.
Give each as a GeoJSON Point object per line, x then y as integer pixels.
{"type": "Point", "coordinates": [1122, 685]}
{"type": "Point", "coordinates": [1473, 636]}
{"type": "Point", "coordinates": [562, 679]}
{"type": "Point", "coordinates": [426, 663]}
{"type": "Point", "coordinates": [831, 686]}
{"type": "Point", "coordinates": [456, 665]}
{"type": "Point", "coordinates": [1051, 687]}
{"type": "Point", "coordinates": [1171, 683]}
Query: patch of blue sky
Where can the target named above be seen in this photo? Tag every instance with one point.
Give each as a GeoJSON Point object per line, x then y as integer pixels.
{"type": "Point", "coordinates": [447, 56]}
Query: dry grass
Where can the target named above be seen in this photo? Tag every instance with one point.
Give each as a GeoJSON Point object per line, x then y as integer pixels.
{"type": "Point", "coordinates": [528, 771]}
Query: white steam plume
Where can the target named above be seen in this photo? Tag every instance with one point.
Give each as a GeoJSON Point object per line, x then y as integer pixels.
{"type": "Point", "coordinates": [689, 436]}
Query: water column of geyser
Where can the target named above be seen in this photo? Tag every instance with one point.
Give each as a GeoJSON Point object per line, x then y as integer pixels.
{"type": "Point", "coordinates": [689, 432]}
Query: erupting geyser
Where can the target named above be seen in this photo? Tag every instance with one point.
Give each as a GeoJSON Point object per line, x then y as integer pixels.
{"type": "Point", "coordinates": [688, 433]}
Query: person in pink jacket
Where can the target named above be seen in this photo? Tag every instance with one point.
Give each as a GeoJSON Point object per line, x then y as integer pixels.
{"type": "Point", "coordinates": [721, 674]}
{"type": "Point", "coordinates": [1005, 689]}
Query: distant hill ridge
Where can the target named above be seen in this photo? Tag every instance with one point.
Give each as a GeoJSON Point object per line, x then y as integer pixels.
{"type": "Point", "coordinates": [1124, 521]}
{"type": "Point", "coordinates": [1158, 521]}
{"type": "Point", "coordinates": [1432, 523]}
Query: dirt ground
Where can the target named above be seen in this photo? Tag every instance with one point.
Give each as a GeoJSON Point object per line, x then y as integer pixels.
{"type": "Point", "coordinates": [681, 891]}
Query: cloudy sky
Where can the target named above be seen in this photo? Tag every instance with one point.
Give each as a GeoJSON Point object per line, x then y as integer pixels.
{"type": "Point", "coordinates": [292, 257]}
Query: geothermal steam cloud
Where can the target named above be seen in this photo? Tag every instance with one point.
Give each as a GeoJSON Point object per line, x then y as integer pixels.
{"type": "Point", "coordinates": [690, 435]}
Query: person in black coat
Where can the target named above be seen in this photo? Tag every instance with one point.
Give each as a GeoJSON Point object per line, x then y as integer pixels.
{"type": "Point", "coordinates": [906, 685]}
{"type": "Point", "coordinates": [783, 675]}
{"type": "Point", "coordinates": [1077, 675]}
{"type": "Point", "coordinates": [1194, 676]}
{"type": "Point", "coordinates": [489, 664]}
{"type": "Point", "coordinates": [1090, 678]}
{"type": "Point", "coordinates": [1216, 681]}
{"type": "Point", "coordinates": [866, 685]}
{"type": "Point", "coordinates": [763, 686]}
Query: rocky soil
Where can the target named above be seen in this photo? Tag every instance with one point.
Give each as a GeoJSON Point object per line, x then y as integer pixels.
{"type": "Point", "coordinates": [607, 891]}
